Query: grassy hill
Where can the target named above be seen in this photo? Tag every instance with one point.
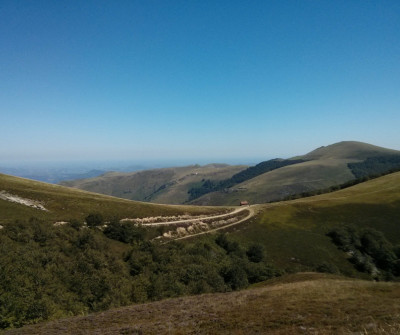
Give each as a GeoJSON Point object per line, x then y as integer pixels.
{"type": "Point", "coordinates": [324, 167]}
{"type": "Point", "coordinates": [348, 150]}
{"type": "Point", "coordinates": [305, 303]}
{"type": "Point", "coordinates": [168, 186]}
{"type": "Point", "coordinates": [63, 203]}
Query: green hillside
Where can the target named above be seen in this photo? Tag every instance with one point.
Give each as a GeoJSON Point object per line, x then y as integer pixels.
{"type": "Point", "coordinates": [294, 232]}
{"type": "Point", "coordinates": [324, 167]}
{"type": "Point", "coordinates": [348, 150]}
{"type": "Point", "coordinates": [168, 186]}
{"type": "Point", "coordinates": [208, 186]}
{"type": "Point", "coordinates": [63, 203]}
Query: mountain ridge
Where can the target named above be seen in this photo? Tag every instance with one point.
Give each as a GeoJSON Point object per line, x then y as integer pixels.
{"type": "Point", "coordinates": [322, 168]}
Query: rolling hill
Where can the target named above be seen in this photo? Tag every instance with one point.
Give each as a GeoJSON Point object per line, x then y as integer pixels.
{"type": "Point", "coordinates": [168, 185]}
{"type": "Point", "coordinates": [305, 303]}
{"type": "Point", "coordinates": [61, 203]}
{"type": "Point", "coordinates": [321, 169]}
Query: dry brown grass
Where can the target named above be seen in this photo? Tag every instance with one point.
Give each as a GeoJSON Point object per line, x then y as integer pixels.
{"type": "Point", "coordinates": [305, 303]}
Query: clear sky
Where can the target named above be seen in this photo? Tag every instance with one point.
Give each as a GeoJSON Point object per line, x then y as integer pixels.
{"type": "Point", "coordinates": [196, 80]}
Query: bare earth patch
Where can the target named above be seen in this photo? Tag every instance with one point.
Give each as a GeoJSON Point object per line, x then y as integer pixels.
{"type": "Point", "coordinates": [23, 201]}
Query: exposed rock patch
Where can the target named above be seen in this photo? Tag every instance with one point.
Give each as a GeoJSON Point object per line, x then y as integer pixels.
{"type": "Point", "coordinates": [23, 201]}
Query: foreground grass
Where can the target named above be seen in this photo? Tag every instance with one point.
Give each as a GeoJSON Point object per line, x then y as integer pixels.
{"type": "Point", "coordinates": [305, 303]}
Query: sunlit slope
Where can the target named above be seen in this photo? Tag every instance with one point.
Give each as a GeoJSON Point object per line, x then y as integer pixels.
{"type": "Point", "coordinates": [294, 232]}
{"type": "Point", "coordinates": [325, 167]}
{"type": "Point", "coordinates": [63, 203]}
{"type": "Point", "coordinates": [285, 181]}
{"type": "Point", "coordinates": [349, 150]}
{"type": "Point", "coordinates": [168, 186]}
{"type": "Point", "coordinates": [305, 303]}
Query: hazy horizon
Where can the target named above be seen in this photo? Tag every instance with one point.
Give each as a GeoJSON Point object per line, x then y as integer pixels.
{"type": "Point", "coordinates": [195, 81]}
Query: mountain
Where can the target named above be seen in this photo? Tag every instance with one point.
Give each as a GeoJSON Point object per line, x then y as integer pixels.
{"type": "Point", "coordinates": [304, 303]}
{"type": "Point", "coordinates": [319, 169]}
{"type": "Point", "coordinates": [168, 185]}
{"type": "Point", "coordinates": [348, 150]}
{"type": "Point", "coordinates": [224, 185]}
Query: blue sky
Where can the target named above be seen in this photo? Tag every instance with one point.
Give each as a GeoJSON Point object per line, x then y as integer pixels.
{"type": "Point", "coordinates": [196, 80]}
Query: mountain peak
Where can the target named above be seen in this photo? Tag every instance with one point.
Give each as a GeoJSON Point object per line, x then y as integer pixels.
{"type": "Point", "coordinates": [349, 150]}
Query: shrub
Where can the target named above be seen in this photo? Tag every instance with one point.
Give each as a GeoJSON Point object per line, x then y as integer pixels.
{"type": "Point", "coordinates": [255, 253]}
{"type": "Point", "coordinates": [326, 267]}
{"type": "Point", "coordinates": [94, 219]}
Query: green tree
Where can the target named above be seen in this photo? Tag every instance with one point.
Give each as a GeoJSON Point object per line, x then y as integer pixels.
{"type": "Point", "coordinates": [94, 219]}
{"type": "Point", "coordinates": [255, 253]}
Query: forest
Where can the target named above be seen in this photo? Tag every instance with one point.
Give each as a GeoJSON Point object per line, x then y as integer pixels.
{"type": "Point", "coordinates": [375, 166]}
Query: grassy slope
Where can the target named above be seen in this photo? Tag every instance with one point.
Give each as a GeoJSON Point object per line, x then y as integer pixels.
{"type": "Point", "coordinates": [293, 232]}
{"type": "Point", "coordinates": [145, 185]}
{"type": "Point", "coordinates": [349, 149]}
{"type": "Point", "coordinates": [304, 303]}
{"type": "Point", "coordinates": [328, 167]}
{"type": "Point", "coordinates": [282, 182]}
{"type": "Point", "coordinates": [65, 203]}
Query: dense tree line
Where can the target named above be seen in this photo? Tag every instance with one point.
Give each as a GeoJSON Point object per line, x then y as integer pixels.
{"type": "Point", "coordinates": [340, 186]}
{"type": "Point", "coordinates": [375, 166]}
{"type": "Point", "coordinates": [47, 272]}
{"type": "Point", "coordinates": [369, 251]}
{"type": "Point", "coordinates": [208, 185]}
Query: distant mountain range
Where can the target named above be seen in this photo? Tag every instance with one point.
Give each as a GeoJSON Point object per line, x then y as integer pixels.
{"type": "Point", "coordinates": [50, 175]}
{"type": "Point", "coordinates": [221, 184]}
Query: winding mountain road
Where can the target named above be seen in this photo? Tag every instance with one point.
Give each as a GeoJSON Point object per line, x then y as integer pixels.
{"type": "Point", "coordinates": [213, 217]}
{"type": "Point", "coordinates": [250, 215]}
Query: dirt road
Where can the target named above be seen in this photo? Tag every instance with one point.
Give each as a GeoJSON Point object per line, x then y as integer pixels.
{"type": "Point", "coordinates": [219, 216]}
{"type": "Point", "coordinates": [238, 210]}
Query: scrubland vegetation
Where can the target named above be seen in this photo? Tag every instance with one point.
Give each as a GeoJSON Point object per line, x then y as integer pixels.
{"type": "Point", "coordinates": [49, 272]}
{"type": "Point", "coordinates": [304, 303]}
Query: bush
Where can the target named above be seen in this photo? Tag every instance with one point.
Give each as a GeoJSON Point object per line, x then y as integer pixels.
{"type": "Point", "coordinates": [235, 277]}
{"type": "Point", "coordinates": [75, 224]}
{"type": "Point", "coordinates": [255, 253]}
{"type": "Point", "coordinates": [257, 272]}
{"type": "Point", "coordinates": [94, 219]}
{"type": "Point", "coordinates": [370, 251]}
{"type": "Point", "coordinates": [326, 267]}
